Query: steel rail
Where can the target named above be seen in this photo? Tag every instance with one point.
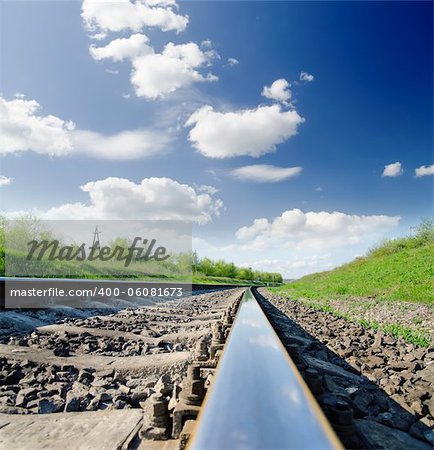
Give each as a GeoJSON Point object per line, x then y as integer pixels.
{"type": "Point", "coordinates": [258, 399]}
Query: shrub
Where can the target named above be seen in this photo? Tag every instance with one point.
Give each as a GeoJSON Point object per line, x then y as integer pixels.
{"type": "Point", "coordinates": [423, 235]}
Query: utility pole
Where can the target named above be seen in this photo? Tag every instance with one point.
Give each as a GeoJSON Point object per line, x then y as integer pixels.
{"type": "Point", "coordinates": [96, 244]}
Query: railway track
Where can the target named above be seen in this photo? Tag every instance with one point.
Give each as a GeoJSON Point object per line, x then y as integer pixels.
{"type": "Point", "coordinates": [207, 371]}
{"type": "Point", "coordinates": [258, 399]}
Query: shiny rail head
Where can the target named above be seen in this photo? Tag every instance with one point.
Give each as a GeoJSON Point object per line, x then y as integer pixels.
{"type": "Point", "coordinates": [258, 399]}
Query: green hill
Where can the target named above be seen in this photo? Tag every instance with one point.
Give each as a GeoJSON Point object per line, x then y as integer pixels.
{"type": "Point", "coordinates": [390, 288]}
{"type": "Point", "coordinates": [406, 275]}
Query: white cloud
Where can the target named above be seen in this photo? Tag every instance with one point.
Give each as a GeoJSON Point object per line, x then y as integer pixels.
{"type": "Point", "coordinates": [120, 49]}
{"type": "Point", "coordinates": [233, 61]}
{"type": "Point", "coordinates": [424, 171]}
{"type": "Point", "coordinates": [258, 226]}
{"type": "Point", "coordinates": [304, 76]}
{"type": "Point", "coordinates": [112, 72]}
{"type": "Point", "coordinates": [393, 170]}
{"type": "Point", "coordinates": [319, 189]}
{"type": "Point", "coordinates": [297, 243]}
{"type": "Point", "coordinates": [125, 145]}
{"type": "Point", "coordinates": [294, 265]}
{"type": "Point", "coordinates": [278, 91]}
{"type": "Point", "coordinates": [153, 75]}
{"type": "Point", "coordinates": [5, 181]}
{"type": "Point", "coordinates": [98, 36]}
{"type": "Point", "coordinates": [206, 44]}
{"type": "Point", "coordinates": [207, 189]}
{"type": "Point", "coordinates": [295, 228]}
{"type": "Point", "coordinates": [252, 132]}
{"type": "Point", "coordinates": [23, 129]}
{"type": "Point", "coordinates": [118, 15]}
{"type": "Point", "coordinates": [159, 74]}
{"type": "Point", "coordinates": [152, 198]}
{"type": "Point", "coordinates": [264, 173]}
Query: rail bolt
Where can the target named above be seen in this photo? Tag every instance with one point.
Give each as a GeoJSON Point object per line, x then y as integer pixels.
{"type": "Point", "coordinates": [156, 418]}
{"type": "Point", "coordinates": [217, 335]}
{"type": "Point", "coordinates": [193, 389]}
{"type": "Point", "coordinates": [201, 350]}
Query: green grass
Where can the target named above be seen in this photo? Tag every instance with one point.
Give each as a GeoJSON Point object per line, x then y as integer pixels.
{"type": "Point", "coordinates": [406, 275]}
{"type": "Point", "coordinates": [17, 265]}
{"type": "Point", "coordinates": [203, 279]}
{"type": "Point", "coordinates": [399, 270]}
{"type": "Point", "coordinates": [412, 335]}
{"type": "Point", "coordinates": [72, 269]}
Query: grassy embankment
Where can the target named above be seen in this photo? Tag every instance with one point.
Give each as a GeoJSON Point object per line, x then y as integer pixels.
{"type": "Point", "coordinates": [116, 270]}
{"type": "Point", "coordinates": [391, 288]}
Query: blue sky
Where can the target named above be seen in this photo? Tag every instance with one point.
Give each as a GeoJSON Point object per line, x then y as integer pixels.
{"type": "Point", "coordinates": [369, 105]}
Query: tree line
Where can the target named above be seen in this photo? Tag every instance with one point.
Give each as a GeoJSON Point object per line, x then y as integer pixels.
{"type": "Point", "coordinates": [28, 228]}
{"type": "Point", "coordinates": [221, 268]}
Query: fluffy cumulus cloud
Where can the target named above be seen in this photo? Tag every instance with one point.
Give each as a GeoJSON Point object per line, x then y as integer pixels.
{"type": "Point", "coordinates": [307, 77]}
{"type": "Point", "coordinates": [158, 74]}
{"type": "Point", "coordinates": [153, 75]}
{"type": "Point", "coordinates": [252, 132]}
{"type": "Point", "coordinates": [316, 229]}
{"type": "Point", "coordinates": [264, 173]}
{"type": "Point", "coordinates": [102, 16]}
{"type": "Point", "coordinates": [153, 198]}
{"type": "Point", "coordinates": [258, 226]}
{"type": "Point", "coordinates": [119, 49]}
{"type": "Point", "coordinates": [393, 170]}
{"type": "Point", "coordinates": [423, 171]}
{"type": "Point", "coordinates": [5, 181]}
{"type": "Point", "coordinates": [278, 91]}
{"type": "Point", "coordinates": [23, 128]}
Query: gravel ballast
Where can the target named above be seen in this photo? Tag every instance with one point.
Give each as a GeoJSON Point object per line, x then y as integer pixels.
{"type": "Point", "coordinates": [386, 381]}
